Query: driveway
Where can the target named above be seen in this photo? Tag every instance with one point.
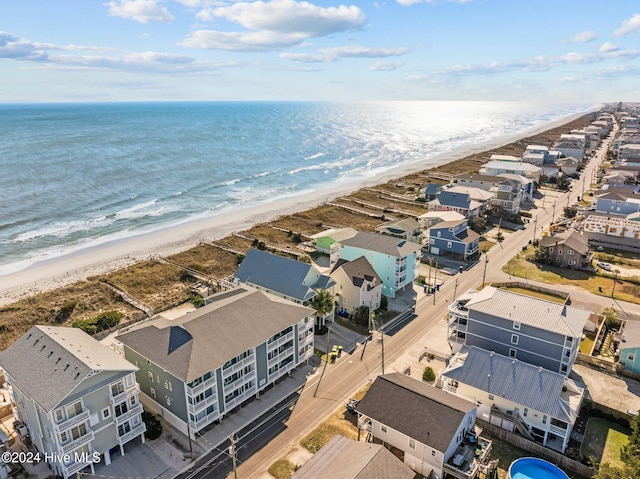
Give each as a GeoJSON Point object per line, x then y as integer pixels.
{"type": "Point", "coordinates": [139, 460]}
{"type": "Point", "coordinates": [619, 393]}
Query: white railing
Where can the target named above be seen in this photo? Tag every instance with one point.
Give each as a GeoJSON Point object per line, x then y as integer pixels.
{"type": "Point", "coordinates": [81, 441]}
{"type": "Point", "coordinates": [136, 410]}
{"type": "Point", "coordinates": [240, 398]}
{"type": "Point", "coordinates": [558, 430]}
{"type": "Point", "coordinates": [194, 391]}
{"type": "Point", "coordinates": [136, 431]}
{"type": "Point", "coordinates": [238, 366]}
{"type": "Point", "coordinates": [73, 467]}
{"type": "Point", "coordinates": [124, 394]}
{"type": "Point", "coordinates": [72, 421]}
{"type": "Point", "coordinates": [280, 341]}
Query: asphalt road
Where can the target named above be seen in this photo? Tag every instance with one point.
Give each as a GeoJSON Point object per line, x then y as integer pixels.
{"type": "Point", "coordinates": [343, 379]}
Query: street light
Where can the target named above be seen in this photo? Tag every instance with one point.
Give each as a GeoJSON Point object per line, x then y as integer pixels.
{"type": "Point", "coordinates": [615, 278]}
{"type": "Point", "coordinates": [484, 273]}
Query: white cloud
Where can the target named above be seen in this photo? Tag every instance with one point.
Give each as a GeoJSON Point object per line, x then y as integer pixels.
{"type": "Point", "coordinates": [580, 58]}
{"type": "Point", "coordinates": [307, 57]}
{"type": "Point", "coordinates": [143, 11]}
{"type": "Point", "coordinates": [629, 26]}
{"type": "Point", "coordinates": [240, 41]}
{"type": "Point", "coordinates": [19, 48]}
{"type": "Point", "coordinates": [608, 47]}
{"type": "Point", "coordinates": [291, 17]}
{"type": "Point", "coordinates": [582, 37]}
{"type": "Point", "coordinates": [382, 66]}
{"type": "Point", "coordinates": [408, 3]}
{"type": "Point", "coordinates": [363, 52]}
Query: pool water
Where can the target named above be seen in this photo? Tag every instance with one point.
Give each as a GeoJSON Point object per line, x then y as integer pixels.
{"type": "Point", "coordinates": [533, 468]}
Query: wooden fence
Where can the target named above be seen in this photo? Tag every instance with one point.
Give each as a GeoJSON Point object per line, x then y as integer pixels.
{"type": "Point", "coordinates": [533, 287]}
{"type": "Point", "coordinates": [536, 449]}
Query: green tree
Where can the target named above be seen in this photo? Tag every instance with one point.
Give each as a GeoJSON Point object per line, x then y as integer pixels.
{"type": "Point", "coordinates": [428, 374]}
{"type": "Point", "coordinates": [478, 224]}
{"type": "Point", "coordinates": [610, 317]}
{"type": "Point", "coordinates": [322, 302]}
{"type": "Point", "coordinates": [154, 426]}
{"type": "Point", "coordinates": [361, 315]}
{"type": "Point", "coordinates": [570, 212]}
{"type": "Point", "coordinates": [499, 237]}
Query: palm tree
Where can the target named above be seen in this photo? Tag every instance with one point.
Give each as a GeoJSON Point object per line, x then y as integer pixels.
{"type": "Point", "coordinates": [322, 302]}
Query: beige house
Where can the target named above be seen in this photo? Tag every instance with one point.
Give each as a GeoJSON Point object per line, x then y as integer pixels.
{"type": "Point", "coordinates": [357, 284]}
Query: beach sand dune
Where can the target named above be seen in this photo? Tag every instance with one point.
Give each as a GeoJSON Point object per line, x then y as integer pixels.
{"type": "Point", "coordinates": [68, 269]}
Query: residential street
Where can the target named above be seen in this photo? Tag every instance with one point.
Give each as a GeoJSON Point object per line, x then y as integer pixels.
{"type": "Point", "coordinates": [349, 374]}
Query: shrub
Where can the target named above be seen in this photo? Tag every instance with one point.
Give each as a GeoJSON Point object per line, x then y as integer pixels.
{"type": "Point", "coordinates": [428, 374]}
{"type": "Point", "coordinates": [64, 313]}
{"type": "Point", "coordinates": [384, 303]}
{"type": "Point", "coordinates": [103, 321]}
{"type": "Point", "coordinates": [197, 300]}
{"type": "Point", "coordinates": [154, 426]}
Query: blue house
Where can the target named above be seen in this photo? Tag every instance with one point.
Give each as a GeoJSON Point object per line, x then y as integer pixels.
{"type": "Point", "coordinates": [453, 238]}
{"type": "Point", "coordinates": [451, 201]}
{"type": "Point", "coordinates": [630, 346]}
{"type": "Point", "coordinates": [617, 203]}
{"type": "Point", "coordinates": [395, 260]}
{"type": "Point", "coordinates": [290, 279]}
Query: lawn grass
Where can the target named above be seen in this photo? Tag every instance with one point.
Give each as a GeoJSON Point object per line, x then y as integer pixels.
{"type": "Point", "coordinates": [339, 422]}
{"type": "Point", "coordinates": [537, 294]}
{"type": "Point", "coordinates": [586, 345]}
{"type": "Point", "coordinates": [282, 469]}
{"type": "Point", "coordinates": [603, 440]}
{"type": "Point", "coordinates": [505, 453]}
{"type": "Point", "coordinates": [520, 267]}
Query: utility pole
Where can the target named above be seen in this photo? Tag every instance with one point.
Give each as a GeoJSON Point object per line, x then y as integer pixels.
{"type": "Point", "coordinates": [325, 364]}
{"type": "Point", "coordinates": [535, 227]}
{"type": "Point", "coordinates": [435, 282]}
{"type": "Point", "coordinates": [455, 290]}
{"type": "Point", "coordinates": [382, 344]}
{"type": "Point", "coordinates": [430, 261]}
{"type": "Point", "coordinates": [232, 453]}
{"type": "Point", "coordinates": [484, 273]}
{"type": "Point", "coordinates": [615, 278]}
{"type": "Point", "coordinates": [553, 216]}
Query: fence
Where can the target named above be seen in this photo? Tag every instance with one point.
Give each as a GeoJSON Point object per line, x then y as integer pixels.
{"type": "Point", "coordinates": [533, 287]}
{"type": "Point", "coordinates": [538, 450]}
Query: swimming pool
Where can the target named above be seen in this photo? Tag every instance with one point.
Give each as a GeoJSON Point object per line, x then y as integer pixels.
{"type": "Point", "coordinates": [534, 468]}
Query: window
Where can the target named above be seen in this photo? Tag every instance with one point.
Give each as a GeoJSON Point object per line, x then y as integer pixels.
{"type": "Point", "coordinates": [150, 376]}
{"type": "Point", "coordinates": [64, 437]}
{"type": "Point", "coordinates": [544, 419]}
{"type": "Point", "coordinates": [132, 401]}
{"type": "Point", "coordinates": [512, 353]}
{"type": "Point", "coordinates": [433, 453]}
{"type": "Point", "coordinates": [516, 325]}
{"type": "Point", "coordinates": [383, 428]}
{"type": "Point", "coordinates": [59, 415]}
{"type": "Point", "coordinates": [525, 412]}
{"type": "Point", "coordinates": [120, 409]}
{"type": "Point", "coordinates": [439, 234]}
{"type": "Point", "coordinates": [490, 397]}
{"type": "Point", "coordinates": [569, 251]}
{"type": "Point", "coordinates": [449, 244]}
{"type": "Point", "coordinates": [130, 379]}
{"type": "Point", "coordinates": [571, 261]}
{"type": "Point", "coordinates": [514, 339]}
{"type": "Point", "coordinates": [106, 412]}
{"type": "Point", "coordinates": [559, 251]}
{"type": "Point", "coordinates": [631, 357]}
{"type": "Point", "coordinates": [563, 368]}
{"type": "Point", "coordinates": [432, 241]}
{"type": "Point", "coordinates": [153, 393]}
{"type": "Point", "coordinates": [168, 400]}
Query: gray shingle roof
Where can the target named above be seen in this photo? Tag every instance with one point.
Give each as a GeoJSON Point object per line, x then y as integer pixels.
{"type": "Point", "coordinates": [380, 243]}
{"type": "Point", "coordinates": [48, 363]}
{"type": "Point", "coordinates": [279, 274]}
{"type": "Point", "coordinates": [342, 458]}
{"type": "Point", "coordinates": [422, 412]}
{"type": "Point", "coordinates": [451, 198]}
{"type": "Point", "coordinates": [522, 383]}
{"type": "Point", "coordinates": [205, 339]}
{"type": "Point", "coordinates": [536, 312]}
{"type": "Point", "coordinates": [358, 270]}
{"type": "Point", "coordinates": [572, 239]}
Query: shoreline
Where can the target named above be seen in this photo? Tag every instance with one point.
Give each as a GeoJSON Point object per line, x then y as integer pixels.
{"type": "Point", "coordinates": [79, 265]}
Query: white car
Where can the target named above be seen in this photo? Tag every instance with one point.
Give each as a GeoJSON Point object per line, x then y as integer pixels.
{"type": "Point", "coordinates": [604, 266]}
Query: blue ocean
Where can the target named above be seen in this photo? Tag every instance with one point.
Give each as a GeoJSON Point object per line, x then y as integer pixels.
{"type": "Point", "coordinates": [79, 175]}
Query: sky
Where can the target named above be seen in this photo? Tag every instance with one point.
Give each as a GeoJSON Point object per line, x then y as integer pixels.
{"type": "Point", "coordinates": [336, 50]}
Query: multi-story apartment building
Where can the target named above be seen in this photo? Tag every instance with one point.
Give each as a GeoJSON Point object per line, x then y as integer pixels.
{"type": "Point", "coordinates": [533, 330]}
{"type": "Point", "coordinates": [197, 368]}
{"type": "Point", "coordinates": [77, 398]}
{"type": "Point", "coordinates": [396, 261]}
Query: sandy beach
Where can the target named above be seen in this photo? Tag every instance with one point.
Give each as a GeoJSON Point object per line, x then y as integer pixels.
{"type": "Point", "coordinates": [68, 269]}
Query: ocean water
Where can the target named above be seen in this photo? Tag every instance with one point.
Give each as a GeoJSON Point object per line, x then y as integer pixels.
{"type": "Point", "coordinates": [78, 175]}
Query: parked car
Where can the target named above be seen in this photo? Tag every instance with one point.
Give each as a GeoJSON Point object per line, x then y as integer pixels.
{"type": "Point", "coordinates": [604, 266]}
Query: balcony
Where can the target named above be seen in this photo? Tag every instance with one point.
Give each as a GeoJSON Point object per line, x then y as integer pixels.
{"type": "Point", "coordinates": [136, 410]}
{"type": "Point", "coordinates": [280, 341]}
{"type": "Point", "coordinates": [72, 467]}
{"type": "Point", "coordinates": [194, 391]}
{"type": "Point", "coordinates": [364, 423]}
{"type": "Point", "coordinates": [249, 360]}
{"type": "Point", "coordinates": [115, 399]}
{"type": "Point", "coordinates": [279, 357]}
{"type": "Point", "coordinates": [558, 431]}
{"type": "Point", "coordinates": [73, 421]}
{"type": "Point", "coordinates": [240, 398]}
{"type": "Point", "coordinates": [76, 443]}
{"type": "Point", "coordinates": [469, 459]}
{"type": "Point", "coordinates": [136, 431]}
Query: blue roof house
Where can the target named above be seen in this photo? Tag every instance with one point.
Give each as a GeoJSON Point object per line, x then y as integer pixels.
{"type": "Point", "coordinates": [453, 238]}
{"type": "Point", "coordinates": [395, 260]}
{"type": "Point", "coordinates": [290, 279]}
{"type": "Point", "coordinates": [459, 202]}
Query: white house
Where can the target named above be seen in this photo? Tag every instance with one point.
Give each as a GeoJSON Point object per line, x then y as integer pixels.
{"type": "Point", "coordinates": [434, 430]}
{"type": "Point", "coordinates": [540, 404]}
{"type": "Point", "coordinates": [77, 398]}
{"type": "Point", "coordinates": [357, 284]}
{"type": "Point", "coordinates": [494, 168]}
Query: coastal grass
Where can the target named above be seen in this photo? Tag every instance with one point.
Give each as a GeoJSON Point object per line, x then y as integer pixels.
{"type": "Point", "coordinates": [282, 469]}
{"type": "Point", "coordinates": [603, 440]}
{"type": "Point", "coordinates": [208, 259]}
{"type": "Point", "coordinates": [520, 267]}
{"type": "Point", "coordinates": [622, 258]}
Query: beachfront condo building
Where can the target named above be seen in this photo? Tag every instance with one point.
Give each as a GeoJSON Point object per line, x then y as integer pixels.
{"type": "Point", "coordinates": [77, 398]}
{"type": "Point", "coordinates": [533, 330]}
{"type": "Point", "coordinates": [197, 368]}
{"type": "Point", "coordinates": [396, 261]}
